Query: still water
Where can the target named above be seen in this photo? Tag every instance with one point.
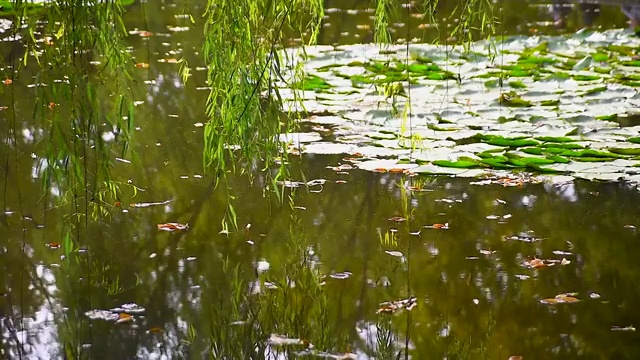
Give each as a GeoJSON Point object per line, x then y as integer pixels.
{"type": "Point", "coordinates": [362, 266]}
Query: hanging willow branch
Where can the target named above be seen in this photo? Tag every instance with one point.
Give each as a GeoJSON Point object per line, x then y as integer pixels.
{"type": "Point", "coordinates": [240, 49]}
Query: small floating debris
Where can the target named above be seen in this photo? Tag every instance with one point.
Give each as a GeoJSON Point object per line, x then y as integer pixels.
{"type": "Point", "coordinates": [523, 238]}
{"type": "Point", "coordinates": [171, 227]}
{"type": "Point", "coordinates": [394, 253]}
{"type": "Point", "coordinates": [444, 226]}
{"type": "Point", "coordinates": [341, 275]}
{"type": "Point", "coordinates": [397, 219]}
{"type": "Point", "coordinates": [130, 308]}
{"type": "Point", "coordinates": [536, 263]}
{"type": "Point", "coordinates": [101, 315]}
{"type": "Point", "coordinates": [394, 306]}
{"type": "Point", "coordinates": [626, 328]}
{"type": "Point", "coordinates": [566, 298]}
{"type": "Point", "coordinates": [487, 252]}
{"type": "Point", "coordinates": [144, 205]}
{"type": "Point", "coordinates": [282, 340]}
{"type": "Point", "coordinates": [124, 318]}
{"type": "Point", "coordinates": [561, 253]}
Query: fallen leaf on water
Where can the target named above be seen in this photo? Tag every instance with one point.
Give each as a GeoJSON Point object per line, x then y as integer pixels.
{"type": "Point", "coordinates": [53, 245]}
{"type": "Point", "coordinates": [536, 263]}
{"type": "Point", "coordinates": [444, 226]}
{"type": "Point", "coordinates": [561, 299]}
{"type": "Point", "coordinates": [515, 357]}
{"type": "Point", "coordinates": [397, 219]}
{"type": "Point", "coordinates": [341, 275]}
{"type": "Point", "coordinates": [172, 227]}
{"type": "Point", "coordinates": [393, 306]}
{"type": "Point", "coordinates": [154, 330]}
{"type": "Point", "coordinates": [123, 318]}
{"type": "Point", "coordinates": [626, 328]}
{"type": "Point", "coordinates": [142, 65]}
{"type": "Point", "coordinates": [523, 238]}
{"type": "Point", "coordinates": [563, 253]}
{"type": "Point", "coordinates": [394, 253]}
{"type": "Point", "coordinates": [281, 340]}
{"type": "Point", "coordinates": [145, 33]}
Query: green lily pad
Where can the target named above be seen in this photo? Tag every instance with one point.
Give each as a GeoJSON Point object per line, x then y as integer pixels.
{"type": "Point", "coordinates": [589, 153]}
{"type": "Point", "coordinates": [625, 151]}
{"type": "Point", "coordinates": [570, 146]}
{"type": "Point", "coordinates": [513, 100]}
{"type": "Point", "coordinates": [312, 82]}
{"type": "Point", "coordinates": [555, 139]}
{"type": "Point", "coordinates": [461, 164]}
{"type": "Point", "coordinates": [512, 142]}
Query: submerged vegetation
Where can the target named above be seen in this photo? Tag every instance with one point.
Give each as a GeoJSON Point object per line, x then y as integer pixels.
{"type": "Point", "coordinates": [151, 209]}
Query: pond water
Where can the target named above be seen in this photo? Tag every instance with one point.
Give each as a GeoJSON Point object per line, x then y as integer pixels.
{"type": "Point", "coordinates": [345, 260]}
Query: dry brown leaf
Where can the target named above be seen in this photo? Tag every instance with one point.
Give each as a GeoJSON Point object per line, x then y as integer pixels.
{"type": "Point", "coordinates": [173, 227]}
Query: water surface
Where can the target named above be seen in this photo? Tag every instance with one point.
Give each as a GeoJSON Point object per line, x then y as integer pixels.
{"type": "Point", "coordinates": [465, 251]}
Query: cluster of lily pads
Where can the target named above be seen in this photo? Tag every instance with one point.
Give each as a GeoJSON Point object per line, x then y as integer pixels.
{"type": "Point", "coordinates": [560, 105]}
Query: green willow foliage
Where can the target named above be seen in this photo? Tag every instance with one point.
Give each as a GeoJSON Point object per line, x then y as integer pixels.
{"type": "Point", "coordinates": [73, 51]}
{"type": "Point", "coordinates": [241, 43]}
{"type": "Point", "coordinates": [240, 48]}
{"type": "Point", "coordinates": [78, 45]}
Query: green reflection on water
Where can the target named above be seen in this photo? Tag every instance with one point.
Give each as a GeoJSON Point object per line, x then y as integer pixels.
{"type": "Point", "coordinates": [195, 284]}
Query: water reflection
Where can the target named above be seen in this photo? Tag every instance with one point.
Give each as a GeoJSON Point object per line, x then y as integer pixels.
{"type": "Point", "coordinates": [590, 11]}
{"type": "Point", "coordinates": [206, 293]}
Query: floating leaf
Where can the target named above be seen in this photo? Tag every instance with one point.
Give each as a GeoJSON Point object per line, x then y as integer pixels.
{"type": "Point", "coordinates": [438, 226]}
{"type": "Point", "coordinates": [626, 328]}
{"type": "Point", "coordinates": [144, 205]}
{"type": "Point", "coordinates": [456, 164]}
{"type": "Point", "coordinates": [124, 318]}
{"type": "Point", "coordinates": [311, 82]}
{"type": "Point", "coordinates": [281, 340]}
{"type": "Point", "coordinates": [535, 263]}
{"type": "Point", "coordinates": [173, 227]}
{"type": "Point", "coordinates": [394, 253]}
{"type": "Point", "coordinates": [555, 139]}
{"type": "Point", "coordinates": [517, 85]}
{"type": "Point", "coordinates": [625, 151]}
{"type": "Point", "coordinates": [397, 219]}
{"type": "Point", "coordinates": [561, 299]}
{"type": "Point", "coordinates": [589, 153]}
{"type": "Point", "coordinates": [341, 275]}
{"type": "Point", "coordinates": [513, 100]}
{"type": "Point", "coordinates": [393, 306]}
